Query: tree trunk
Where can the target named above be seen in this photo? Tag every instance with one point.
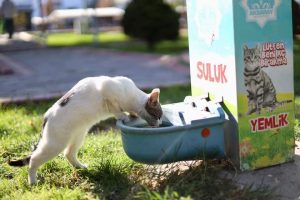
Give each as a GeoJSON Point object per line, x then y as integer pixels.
{"type": "Point", "coordinates": [151, 45]}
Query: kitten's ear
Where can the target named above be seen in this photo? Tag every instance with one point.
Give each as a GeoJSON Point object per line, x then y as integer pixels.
{"type": "Point", "coordinates": [259, 47]}
{"type": "Point", "coordinates": [154, 97]}
{"type": "Point", "coordinates": [245, 47]}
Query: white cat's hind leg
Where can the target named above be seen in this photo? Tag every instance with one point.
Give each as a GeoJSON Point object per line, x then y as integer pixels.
{"type": "Point", "coordinates": [42, 154]}
{"type": "Point", "coordinates": [72, 150]}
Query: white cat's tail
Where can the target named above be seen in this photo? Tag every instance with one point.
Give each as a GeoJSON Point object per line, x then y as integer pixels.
{"type": "Point", "coordinates": [25, 161]}
{"type": "Point", "coordinates": [19, 163]}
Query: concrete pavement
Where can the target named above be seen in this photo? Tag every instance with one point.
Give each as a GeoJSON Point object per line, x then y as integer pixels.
{"type": "Point", "coordinates": [284, 178]}
{"type": "Point", "coordinates": [20, 41]}
{"type": "Point", "coordinates": [40, 73]}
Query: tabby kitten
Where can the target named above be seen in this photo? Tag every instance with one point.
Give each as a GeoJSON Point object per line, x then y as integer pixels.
{"type": "Point", "coordinates": [89, 101]}
{"type": "Point", "coordinates": [261, 92]}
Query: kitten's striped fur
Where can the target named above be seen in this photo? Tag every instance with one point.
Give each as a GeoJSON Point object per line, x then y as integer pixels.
{"type": "Point", "coordinates": [261, 92]}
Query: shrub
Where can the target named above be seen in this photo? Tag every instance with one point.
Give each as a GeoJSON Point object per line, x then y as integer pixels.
{"type": "Point", "coordinates": [296, 17]}
{"type": "Point", "coordinates": [151, 21]}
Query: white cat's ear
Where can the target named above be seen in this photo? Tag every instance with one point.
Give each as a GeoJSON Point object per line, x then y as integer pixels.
{"type": "Point", "coordinates": [154, 96]}
{"type": "Point", "coordinates": [156, 90]}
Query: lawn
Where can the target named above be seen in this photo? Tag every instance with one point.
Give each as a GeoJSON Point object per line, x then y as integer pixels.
{"type": "Point", "coordinates": [115, 41]}
{"type": "Point", "coordinates": [111, 174]}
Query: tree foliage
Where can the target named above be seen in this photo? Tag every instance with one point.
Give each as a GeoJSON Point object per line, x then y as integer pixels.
{"type": "Point", "coordinates": [151, 21]}
{"type": "Point", "coordinates": [296, 17]}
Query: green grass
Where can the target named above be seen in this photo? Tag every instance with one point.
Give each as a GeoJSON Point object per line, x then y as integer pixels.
{"type": "Point", "coordinates": [297, 66]}
{"type": "Point", "coordinates": [73, 39]}
{"type": "Point", "coordinates": [111, 174]}
{"type": "Point", "coordinates": [115, 41]}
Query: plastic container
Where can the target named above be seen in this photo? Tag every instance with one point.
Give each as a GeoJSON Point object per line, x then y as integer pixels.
{"type": "Point", "coordinates": [192, 129]}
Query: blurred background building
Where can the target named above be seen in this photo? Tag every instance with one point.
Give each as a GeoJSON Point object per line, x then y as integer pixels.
{"type": "Point", "coordinates": [35, 13]}
{"type": "Point", "coordinates": [66, 14]}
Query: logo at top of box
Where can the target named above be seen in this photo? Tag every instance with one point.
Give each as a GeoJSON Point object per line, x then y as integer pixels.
{"type": "Point", "coordinates": [260, 11]}
{"type": "Point", "coordinates": [208, 15]}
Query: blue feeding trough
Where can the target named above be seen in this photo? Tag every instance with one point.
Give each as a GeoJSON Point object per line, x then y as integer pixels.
{"type": "Point", "coordinates": [192, 129]}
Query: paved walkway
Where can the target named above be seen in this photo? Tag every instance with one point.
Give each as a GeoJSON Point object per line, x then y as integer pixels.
{"type": "Point", "coordinates": [40, 73]}
{"type": "Point", "coordinates": [20, 41]}
{"type": "Point", "coordinates": [284, 178]}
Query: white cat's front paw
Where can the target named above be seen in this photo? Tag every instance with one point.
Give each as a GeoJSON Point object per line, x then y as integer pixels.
{"type": "Point", "coordinates": [123, 117]}
{"type": "Point", "coordinates": [32, 180]}
{"type": "Point", "coordinates": [126, 120]}
{"type": "Point", "coordinates": [85, 166]}
{"type": "Point", "coordinates": [82, 166]}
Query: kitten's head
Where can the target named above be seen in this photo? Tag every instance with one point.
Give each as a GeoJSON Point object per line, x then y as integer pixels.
{"type": "Point", "coordinates": [152, 109]}
{"type": "Point", "coordinates": [252, 57]}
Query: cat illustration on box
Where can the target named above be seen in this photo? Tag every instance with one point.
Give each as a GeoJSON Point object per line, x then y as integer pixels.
{"type": "Point", "coordinates": [261, 92]}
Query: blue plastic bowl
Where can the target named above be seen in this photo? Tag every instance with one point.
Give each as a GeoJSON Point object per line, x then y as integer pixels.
{"type": "Point", "coordinates": [201, 139]}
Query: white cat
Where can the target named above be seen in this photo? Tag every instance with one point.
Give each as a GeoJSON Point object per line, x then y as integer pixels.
{"type": "Point", "coordinates": [89, 101]}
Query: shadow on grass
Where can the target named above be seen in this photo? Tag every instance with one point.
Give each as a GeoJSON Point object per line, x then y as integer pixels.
{"type": "Point", "coordinates": [104, 125]}
{"type": "Point", "coordinates": [202, 181]}
{"type": "Point", "coordinates": [110, 180]}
